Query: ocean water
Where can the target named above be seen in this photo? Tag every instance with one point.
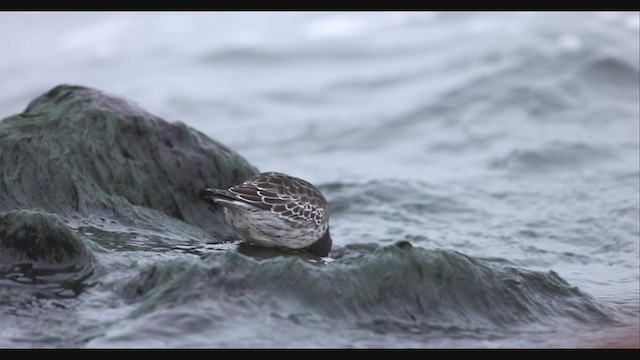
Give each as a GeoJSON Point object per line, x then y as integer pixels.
{"type": "Point", "coordinates": [482, 170]}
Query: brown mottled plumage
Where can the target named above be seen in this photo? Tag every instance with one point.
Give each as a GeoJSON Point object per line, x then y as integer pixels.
{"type": "Point", "coordinates": [273, 209]}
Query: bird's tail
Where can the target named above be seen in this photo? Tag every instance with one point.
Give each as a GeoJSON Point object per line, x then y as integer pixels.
{"type": "Point", "coordinates": [216, 195]}
{"type": "Point", "coordinates": [225, 198]}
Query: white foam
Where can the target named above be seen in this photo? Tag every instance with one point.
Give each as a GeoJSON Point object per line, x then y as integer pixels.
{"type": "Point", "coordinates": [569, 42]}
{"type": "Point", "coordinates": [480, 25]}
{"type": "Point", "coordinates": [336, 26]}
{"type": "Point", "coordinates": [633, 22]}
{"type": "Point", "coordinates": [96, 36]}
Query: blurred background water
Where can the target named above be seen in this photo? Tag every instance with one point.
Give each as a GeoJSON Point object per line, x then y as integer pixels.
{"type": "Point", "coordinates": [508, 137]}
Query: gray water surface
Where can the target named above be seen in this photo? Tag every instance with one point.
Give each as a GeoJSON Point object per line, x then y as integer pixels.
{"type": "Point", "coordinates": [482, 169]}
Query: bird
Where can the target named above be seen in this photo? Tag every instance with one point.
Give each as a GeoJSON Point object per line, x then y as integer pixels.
{"type": "Point", "coordinates": [272, 209]}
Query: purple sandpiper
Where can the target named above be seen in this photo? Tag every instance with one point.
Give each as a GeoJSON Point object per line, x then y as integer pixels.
{"type": "Point", "coordinates": [276, 210]}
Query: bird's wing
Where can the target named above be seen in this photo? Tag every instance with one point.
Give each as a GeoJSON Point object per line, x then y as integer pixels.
{"type": "Point", "coordinates": [288, 197]}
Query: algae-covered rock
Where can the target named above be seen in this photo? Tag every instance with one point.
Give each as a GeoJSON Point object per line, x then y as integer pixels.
{"type": "Point", "coordinates": [38, 238]}
{"type": "Point", "coordinates": [78, 151]}
{"type": "Point", "coordinates": [39, 254]}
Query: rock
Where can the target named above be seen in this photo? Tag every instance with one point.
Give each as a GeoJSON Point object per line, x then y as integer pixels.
{"type": "Point", "coordinates": [78, 152]}
{"type": "Point", "coordinates": [40, 239]}
{"type": "Point", "coordinates": [40, 255]}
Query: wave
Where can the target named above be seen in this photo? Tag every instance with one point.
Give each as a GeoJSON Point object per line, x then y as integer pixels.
{"type": "Point", "coordinates": [553, 156]}
{"type": "Point", "coordinates": [398, 288]}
